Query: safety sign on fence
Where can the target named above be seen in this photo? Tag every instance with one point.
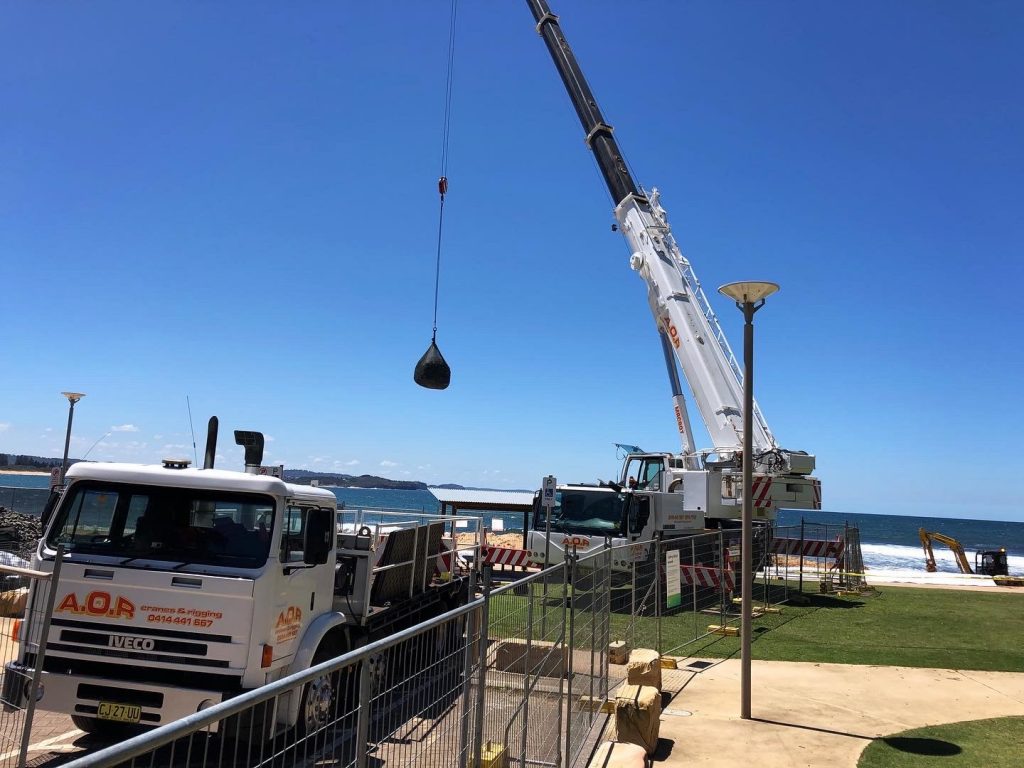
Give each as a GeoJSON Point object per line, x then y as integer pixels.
{"type": "Point", "coordinates": [673, 589]}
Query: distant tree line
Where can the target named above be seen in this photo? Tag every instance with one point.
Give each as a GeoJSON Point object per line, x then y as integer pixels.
{"type": "Point", "coordinates": [305, 477]}
{"type": "Point", "coordinates": [17, 461]}
{"type": "Point", "coordinates": [29, 463]}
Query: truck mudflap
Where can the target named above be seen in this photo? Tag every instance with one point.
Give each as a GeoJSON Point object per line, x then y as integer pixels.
{"type": "Point", "coordinates": [141, 704]}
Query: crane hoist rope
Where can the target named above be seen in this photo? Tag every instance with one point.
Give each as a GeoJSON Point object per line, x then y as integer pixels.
{"type": "Point", "coordinates": [432, 370]}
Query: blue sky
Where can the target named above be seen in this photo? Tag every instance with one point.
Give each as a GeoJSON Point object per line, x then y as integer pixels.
{"type": "Point", "coordinates": [236, 202]}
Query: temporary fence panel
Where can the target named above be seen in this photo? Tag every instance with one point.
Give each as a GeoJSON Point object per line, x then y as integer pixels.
{"type": "Point", "coordinates": [588, 635]}
{"type": "Point", "coordinates": [26, 605]}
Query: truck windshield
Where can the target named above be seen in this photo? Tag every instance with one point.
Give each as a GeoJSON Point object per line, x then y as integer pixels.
{"type": "Point", "coordinates": [172, 524]}
{"type": "Point", "coordinates": [584, 511]}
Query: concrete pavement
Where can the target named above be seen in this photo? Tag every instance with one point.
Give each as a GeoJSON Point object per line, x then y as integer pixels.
{"type": "Point", "coordinates": [813, 715]}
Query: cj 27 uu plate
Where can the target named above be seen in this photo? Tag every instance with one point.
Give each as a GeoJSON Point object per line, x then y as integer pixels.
{"type": "Point", "coordinates": [121, 713]}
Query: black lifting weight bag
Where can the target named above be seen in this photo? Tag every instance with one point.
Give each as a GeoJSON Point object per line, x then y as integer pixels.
{"type": "Point", "coordinates": [432, 371]}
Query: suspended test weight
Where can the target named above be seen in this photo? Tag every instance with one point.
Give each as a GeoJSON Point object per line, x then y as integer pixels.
{"type": "Point", "coordinates": [432, 371]}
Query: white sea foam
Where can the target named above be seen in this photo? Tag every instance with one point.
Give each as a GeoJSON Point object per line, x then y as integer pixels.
{"type": "Point", "coordinates": [895, 557]}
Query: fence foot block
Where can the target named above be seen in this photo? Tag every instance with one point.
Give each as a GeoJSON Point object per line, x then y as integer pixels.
{"type": "Point", "coordinates": [637, 716]}
{"type": "Point", "coordinates": [493, 755]}
{"type": "Point", "coordinates": [721, 629]}
{"type": "Point", "coordinates": [644, 668]}
{"type": "Point", "coordinates": [669, 662]}
{"type": "Point", "coordinates": [619, 754]}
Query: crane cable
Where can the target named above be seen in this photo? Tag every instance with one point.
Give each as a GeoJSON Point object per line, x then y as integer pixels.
{"type": "Point", "coordinates": [442, 182]}
{"type": "Point", "coordinates": [432, 371]}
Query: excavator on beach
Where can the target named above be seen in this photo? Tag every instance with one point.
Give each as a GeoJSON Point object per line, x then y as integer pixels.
{"type": "Point", "coordinates": [989, 562]}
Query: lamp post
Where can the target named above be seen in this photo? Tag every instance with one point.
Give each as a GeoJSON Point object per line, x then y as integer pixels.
{"type": "Point", "coordinates": [73, 397]}
{"type": "Point", "coordinates": [749, 297]}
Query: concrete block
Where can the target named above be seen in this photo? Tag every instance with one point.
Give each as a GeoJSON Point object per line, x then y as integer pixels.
{"type": "Point", "coordinates": [542, 658]}
{"type": "Point", "coordinates": [644, 668]}
{"type": "Point", "coordinates": [617, 754]}
{"type": "Point", "coordinates": [618, 652]}
{"type": "Point", "coordinates": [637, 716]}
{"type": "Point", "coordinates": [12, 602]}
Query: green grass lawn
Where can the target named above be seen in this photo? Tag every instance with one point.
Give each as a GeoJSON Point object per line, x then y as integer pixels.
{"type": "Point", "coordinates": [973, 744]}
{"type": "Point", "coordinates": [895, 626]}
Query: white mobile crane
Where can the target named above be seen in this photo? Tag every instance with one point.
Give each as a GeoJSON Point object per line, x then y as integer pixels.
{"type": "Point", "coordinates": [696, 488]}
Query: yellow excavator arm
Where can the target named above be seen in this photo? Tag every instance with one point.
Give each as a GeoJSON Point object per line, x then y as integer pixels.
{"type": "Point", "coordinates": [929, 557]}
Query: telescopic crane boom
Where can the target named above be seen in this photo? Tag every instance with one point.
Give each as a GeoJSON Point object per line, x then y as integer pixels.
{"type": "Point", "coordinates": [687, 324]}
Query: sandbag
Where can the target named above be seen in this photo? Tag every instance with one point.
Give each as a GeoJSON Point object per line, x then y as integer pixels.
{"type": "Point", "coordinates": [432, 371]}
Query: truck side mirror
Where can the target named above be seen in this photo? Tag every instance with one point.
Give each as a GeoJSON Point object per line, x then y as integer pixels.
{"type": "Point", "coordinates": [318, 536]}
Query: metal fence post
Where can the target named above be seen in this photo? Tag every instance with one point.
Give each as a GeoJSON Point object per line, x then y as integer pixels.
{"type": "Point", "coordinates": [526, 671]}
{"type": "Point", "coordinates": [363, 714]}
{"type": "Point", "coordinates": [722, 554]}
{"type": "Point", "coordinates": [569, 604]}
{"type": "Point", "coordinates": [30, 705]}
{"type": "Point", "coordinates": [481, 693]}
{"type": "Point", "coordinates": [801, 555]}
{"type": "Point", "coordinates": [657, 588]}
{"type": "Point", "coordinates": [467, 676]}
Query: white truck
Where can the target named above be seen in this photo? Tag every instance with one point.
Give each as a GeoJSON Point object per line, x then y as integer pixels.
{"type": "Point", "coordinates": [182, 587]}
{"type": "Point", "coordinates": [695, 489]}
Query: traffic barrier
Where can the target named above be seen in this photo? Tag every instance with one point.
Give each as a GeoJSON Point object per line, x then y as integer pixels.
{"type": "Point", "coordinates": [505, 556]}
{"type": "Point", "coordinates": [706, 576]}
{"type": "Point", "coordinates": [808, 547]}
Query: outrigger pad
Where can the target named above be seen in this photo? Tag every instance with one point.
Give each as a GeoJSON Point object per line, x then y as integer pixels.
{"type": "Point", "coordinates": [432, 371]}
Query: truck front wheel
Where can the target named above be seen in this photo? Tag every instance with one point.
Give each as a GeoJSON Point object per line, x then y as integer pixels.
{"type": "Point", "coordinates": [319, 705]}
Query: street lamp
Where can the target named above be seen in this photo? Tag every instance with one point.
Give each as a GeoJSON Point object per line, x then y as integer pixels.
{"type": "Point", "coordinates": [749, 297]}
{"type": "Point", "coordinates": [73, 397]}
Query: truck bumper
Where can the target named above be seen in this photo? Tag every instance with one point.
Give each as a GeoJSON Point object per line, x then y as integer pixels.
{"type": "Point", "coordinates": [160, 704]}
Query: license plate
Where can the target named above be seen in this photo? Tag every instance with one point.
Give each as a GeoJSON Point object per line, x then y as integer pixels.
{"type": "Point", "coordinates": [122, 713]}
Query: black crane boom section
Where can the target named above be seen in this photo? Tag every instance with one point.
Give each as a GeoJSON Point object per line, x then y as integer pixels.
{"type": "Point", "coordinates": [598, 133]}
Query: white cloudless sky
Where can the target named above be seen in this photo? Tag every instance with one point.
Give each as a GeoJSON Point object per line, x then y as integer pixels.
{"type": "Point", "coordinates": [236, 203]}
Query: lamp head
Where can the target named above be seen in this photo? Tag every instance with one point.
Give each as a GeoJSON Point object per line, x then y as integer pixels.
{"type": "Point", "coordinates": [748, 291]}
{"type": "Point", "coordinates": [73, 397]}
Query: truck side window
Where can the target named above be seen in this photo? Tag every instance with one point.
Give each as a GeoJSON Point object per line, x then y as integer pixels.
{"type": "Point", "coordinates": [650, 476]}
{"type": "Point", "coordinates": [292, 535]}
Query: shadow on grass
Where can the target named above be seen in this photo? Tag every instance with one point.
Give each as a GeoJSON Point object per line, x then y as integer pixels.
{"type": "Point", "coordinates": [828, 601]}
{"type": "Point", "coordinates": [919, 746]}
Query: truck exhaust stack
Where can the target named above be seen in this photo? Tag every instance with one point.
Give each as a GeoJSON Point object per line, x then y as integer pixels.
{"type": "Point", "coordinates": [211, 443]}
{"type": "Point", "coordinates": [253, 444]}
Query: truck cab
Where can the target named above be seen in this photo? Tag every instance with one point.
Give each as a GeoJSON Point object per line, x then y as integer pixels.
{"type": "Point", "coordinates": [172, 574]}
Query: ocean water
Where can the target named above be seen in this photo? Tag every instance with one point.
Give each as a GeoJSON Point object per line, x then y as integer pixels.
{"type": "Point", "coordinates": [888, 542]}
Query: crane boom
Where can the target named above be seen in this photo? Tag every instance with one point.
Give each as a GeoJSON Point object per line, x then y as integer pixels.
{"type": "Point", "coordinates": [679, 305]}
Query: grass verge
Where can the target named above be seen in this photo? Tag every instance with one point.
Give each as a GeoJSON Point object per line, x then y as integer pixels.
{"type": "Point", "coordinates": [995, 742]}
{"type": "Point", "coordinates": [896, 626]}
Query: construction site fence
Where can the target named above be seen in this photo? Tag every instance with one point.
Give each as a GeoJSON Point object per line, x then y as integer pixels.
{"type": "Point", "coordinates": [515, 677]}
{"type": "Point", "coordinates": [25, 501]}
{"type": "Point", "coordinates": [500, 678]}
{"type": "Point", "coordinates": [671, 594]}
{"type": "Point", "coordinates": [26, 605]}
{"type": "Point", "coordinates": [824, 557]}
